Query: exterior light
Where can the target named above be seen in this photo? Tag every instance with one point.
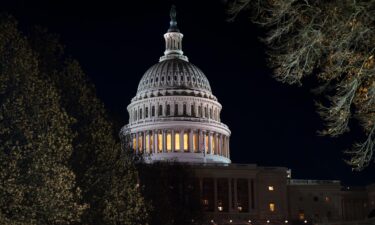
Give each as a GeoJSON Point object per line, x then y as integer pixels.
{"type": "Point", "coordinates": [268, 221]}
{"type": "Point", "coordinates": [305, 221]}
{"type": "Point", "coordinates": [212, 221]}
{"type": "Point", "coordinates": [230, 221]}
{"type": "Point", "coordinates": [286, 221]}
{"type": "Point", "coordinates": [220, 208]}
{"type": "Point", "coordinates": [249, 221]}
{"type": "Point", "coordinates": [270, 188]}
{"type": "Point", "coordinates": [239, 208]}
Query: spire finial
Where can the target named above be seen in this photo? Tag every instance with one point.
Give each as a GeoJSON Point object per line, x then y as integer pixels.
{"type": "Point", "coordinates": [173, 24]}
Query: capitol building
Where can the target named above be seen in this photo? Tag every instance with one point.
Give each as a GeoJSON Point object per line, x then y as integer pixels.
{"type": "Point", "coordinates": [175, 117]}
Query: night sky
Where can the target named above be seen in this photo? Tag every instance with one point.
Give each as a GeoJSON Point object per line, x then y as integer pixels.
{"type": "Point", "coordinates": [272, 124]}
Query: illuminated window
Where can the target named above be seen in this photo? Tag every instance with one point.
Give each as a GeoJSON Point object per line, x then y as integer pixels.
{"type": "Point", "coordinates": [160, 142]}
{"type": "Point", "coordinates": [327, 199]}
{"type": "Point", "coordinates": [169, 142]}
{"type": "Point", "coordinates": [186, 141]}
{"type": "Point", "coordinates": [205, 201]}
{"type": "Point", "coordinates": [134, 143]}
{"type": "Point", "coordinates": [270, 188]}
{"type": "Point", "coordinates": [272, 207]}
{"type": "Point", "coordinates": [195, 142]}
{"type": "Point", "coordinates": [148, 143]}
{"type": "Point", "coordinates": [301, 215]}
{"type": "Point", "coordinates": [177, 141]}
{"type": "Point", "coordinates": [140, 143]}
{"type": "Point", "coordinates": [206, 143]}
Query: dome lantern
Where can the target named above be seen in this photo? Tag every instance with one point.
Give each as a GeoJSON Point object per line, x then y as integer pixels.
{"type": "Point", "coordinates": [173, 39]}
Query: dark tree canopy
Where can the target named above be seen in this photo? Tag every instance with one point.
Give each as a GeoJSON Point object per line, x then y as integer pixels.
{"type": "Point", "coordinates": [37, 183]}
{"type": "Point", "coordinates": [60, 158]}
{"type": "Point", "coordinates": [333, 42]}
{"type": "Point", "coordinates": [105, 172]}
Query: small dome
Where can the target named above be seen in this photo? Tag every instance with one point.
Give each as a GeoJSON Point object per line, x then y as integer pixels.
{"type": "Point", "coordinates": [173, 73]}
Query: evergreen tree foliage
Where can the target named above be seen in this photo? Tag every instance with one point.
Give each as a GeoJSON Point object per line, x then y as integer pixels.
{"type": "Point", "coordinates": [333, 42]}
{"type": "Point", "coordinates": [105, 173]}
{"type": "Point", "coordinates": [37, 185]}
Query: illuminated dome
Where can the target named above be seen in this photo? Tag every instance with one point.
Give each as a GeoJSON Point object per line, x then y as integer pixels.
{"type": "Point", "coordinates": [174, 115]}
{"type": "Point", "coordinates": [173, 73]}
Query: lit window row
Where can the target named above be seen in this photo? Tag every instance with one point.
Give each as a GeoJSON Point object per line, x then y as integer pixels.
{"type": "Point", "coordinates": [178, 141]}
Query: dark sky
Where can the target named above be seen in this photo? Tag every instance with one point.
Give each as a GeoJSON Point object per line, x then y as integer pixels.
{"type": "Point", "coordinates": [116, 42]}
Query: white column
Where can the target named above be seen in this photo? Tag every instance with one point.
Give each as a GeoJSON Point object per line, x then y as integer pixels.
{"type": "Point", "coordinates": [200, 142]}
{"type": "Point", "coordinates": [155, 133]}
{"type": "Point", "coordinates": [204, 142]}
{"type": "Point", "coordinates": [164, 141]}
{"type": "Point", "coordinates": [182, 141]}
{"type": "Point", "coordinates": [221, 145]}
{"type": "Point", "coordinates": [145, 144]}
{"type": "Point", "coordinates": [191, 143]}
{"type": "Point", "coordinates": [173, 140]}
{"type": "Point", "coordinates": [209, 143]}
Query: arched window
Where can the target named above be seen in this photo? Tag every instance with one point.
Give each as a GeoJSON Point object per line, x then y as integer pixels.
{"type": "Point", "coordinates": [205, 112]}
{"type": "Point", "coordinates": [153, 111]}
{"type": "Point", "coordinates": [192, 112]}
{"type": "Point", "coordinates": [160, 110]}
{"type": "Point", "coordinates": [146, 112]}
{"type": "Point", "coordinates": [210, 113]}
{"type": "Point", "coordinates": [135, 115]}
{"type": "Point", "coordinates": [199, 111]}
{"type": "Point", "coordinates": [168, 113]}
{"type": "Point", "coordinates": [140, 113]}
